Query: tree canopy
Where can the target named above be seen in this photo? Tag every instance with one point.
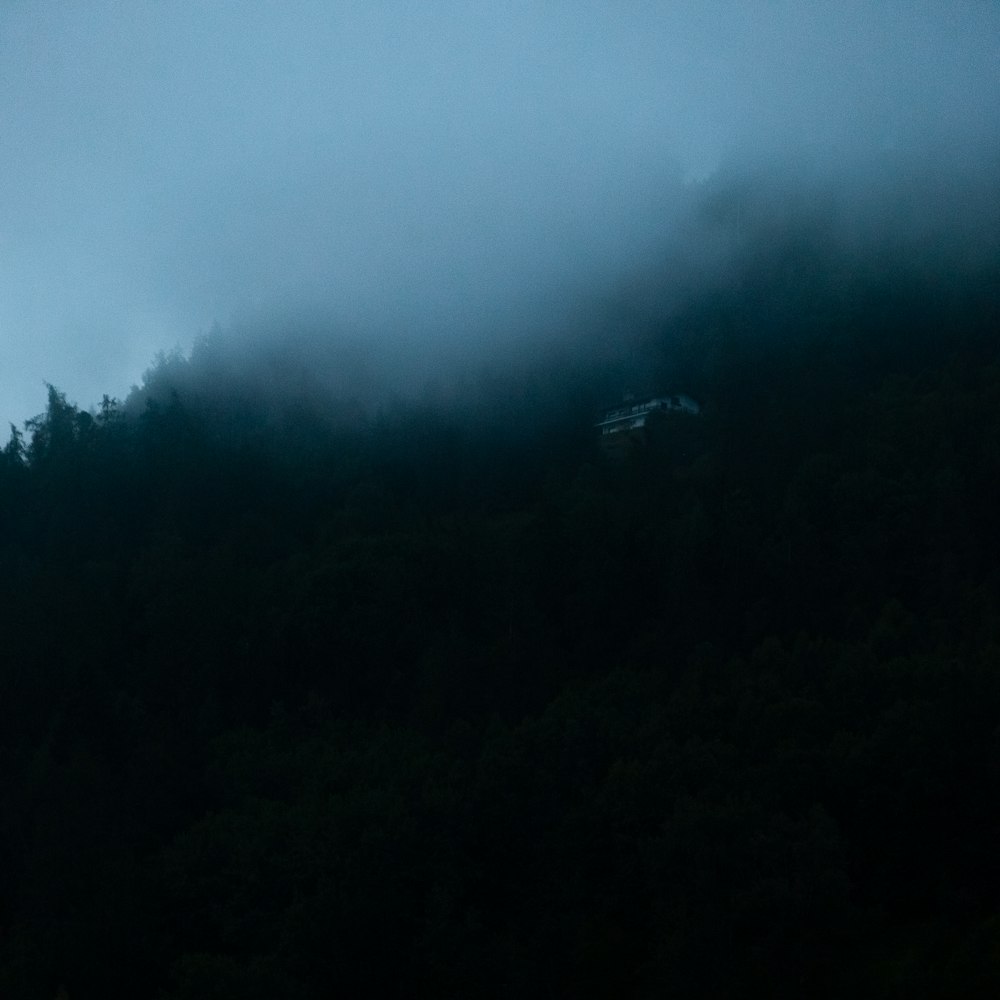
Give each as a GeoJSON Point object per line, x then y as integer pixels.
{"type": "Point", "coordinates": [433, 702]}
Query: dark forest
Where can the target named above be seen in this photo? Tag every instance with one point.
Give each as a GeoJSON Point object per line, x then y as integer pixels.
{"type": "Point", "coordinates": [303, 697]}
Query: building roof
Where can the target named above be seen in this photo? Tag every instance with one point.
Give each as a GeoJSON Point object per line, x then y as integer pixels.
{"type": "Point", "coordinates": [632, 414]}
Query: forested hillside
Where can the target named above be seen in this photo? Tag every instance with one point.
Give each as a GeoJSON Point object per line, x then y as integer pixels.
{"type": "Point", "coordinates": [301, 699]}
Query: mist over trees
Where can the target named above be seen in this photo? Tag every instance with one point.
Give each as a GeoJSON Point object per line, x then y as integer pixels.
{"type": "Point", "coordinates": [317, 678]}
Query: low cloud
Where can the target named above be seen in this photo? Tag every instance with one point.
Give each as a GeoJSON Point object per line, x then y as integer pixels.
{"type": "Point", "coordinates": [433, 179]}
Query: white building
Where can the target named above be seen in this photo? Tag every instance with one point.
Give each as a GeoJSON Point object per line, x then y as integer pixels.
{"type": "Point", "coordinates": [631, 416]}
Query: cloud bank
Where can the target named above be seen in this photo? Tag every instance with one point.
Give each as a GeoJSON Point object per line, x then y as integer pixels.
{"type": "Point", "coordinates": [431, 175]}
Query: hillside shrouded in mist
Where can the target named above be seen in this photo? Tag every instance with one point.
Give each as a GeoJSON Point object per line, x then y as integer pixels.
{"type": "Point", "coordinates": [310, 679]}
{"type": "Point", "coordinates": [338, 657]}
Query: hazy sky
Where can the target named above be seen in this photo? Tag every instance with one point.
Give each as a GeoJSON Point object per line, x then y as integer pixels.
{"type": "Point", "coordinates": [412, 169]}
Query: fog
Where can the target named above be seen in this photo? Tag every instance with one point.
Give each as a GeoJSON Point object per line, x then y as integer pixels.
{"type": "Point", "coordinates": [431, 181]}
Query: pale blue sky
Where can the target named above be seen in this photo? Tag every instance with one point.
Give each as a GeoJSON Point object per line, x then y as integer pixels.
{"type": "Point", "coordinates": [414, 169]}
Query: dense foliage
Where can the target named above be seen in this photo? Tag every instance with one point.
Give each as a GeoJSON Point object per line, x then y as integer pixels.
{"type": "Point", "coordinates": [433, 703]}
